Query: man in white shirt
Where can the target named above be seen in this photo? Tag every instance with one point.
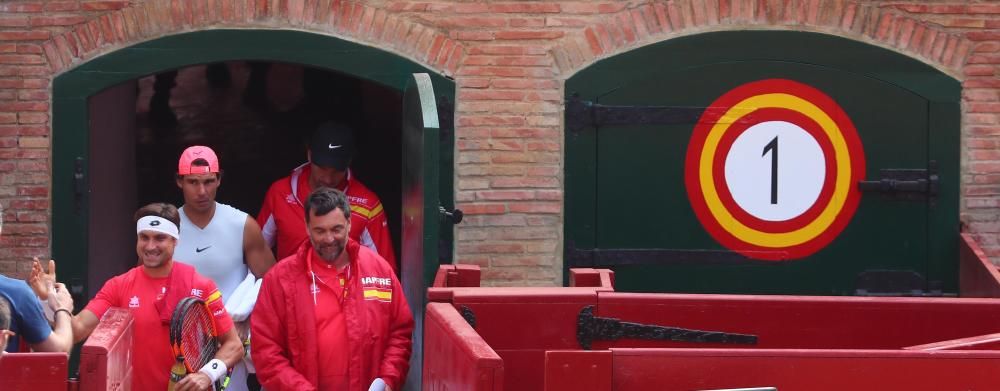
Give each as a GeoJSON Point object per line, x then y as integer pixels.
{"type": "Point", "coordinates": [222, 243]}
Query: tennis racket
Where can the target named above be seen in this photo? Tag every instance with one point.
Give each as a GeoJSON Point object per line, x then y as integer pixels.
{"type": "Point", "coordinates": [193, 339]}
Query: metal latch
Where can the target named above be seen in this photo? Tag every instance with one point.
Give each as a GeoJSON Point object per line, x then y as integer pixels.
{"type": "Point", "coordinates": [454, 216]}
{"type": "Point", "coordinates": [581, 114]}
{"type": "Point", "coordinates": [906, 184]}
{"type": "Point", "coordinates": [79, 184]}
{"type": "Point", "coordinates": [590, 328]}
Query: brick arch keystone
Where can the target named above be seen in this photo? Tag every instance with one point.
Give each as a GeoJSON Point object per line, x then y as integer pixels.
{"type": "Point", "coordinates": [656, 21]}
{"type": "Point", "coordinates": [347, 20]}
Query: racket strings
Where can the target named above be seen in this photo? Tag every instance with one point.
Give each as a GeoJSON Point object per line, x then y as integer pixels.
{"type": "Point", "coordinates": [197, 342]}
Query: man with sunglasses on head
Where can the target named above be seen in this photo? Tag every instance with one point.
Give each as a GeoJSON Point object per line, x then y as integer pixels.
{"type": "Point", "coordinates": [151, 291]}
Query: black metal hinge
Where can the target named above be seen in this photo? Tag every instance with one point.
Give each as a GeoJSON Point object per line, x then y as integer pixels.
{"type": "Point", "coordinates": [608, 257]}
{"type": "Point", "coordinates": [906, 184]}
{"type": "Point", "coordinates": [468, 315]}
{"type": "Point", "coordinates": [591, 328]}
{"type": "Point", "coordinates": [581, 114]}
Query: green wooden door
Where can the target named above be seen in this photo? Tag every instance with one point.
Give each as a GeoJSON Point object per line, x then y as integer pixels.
{"type": "Point", "coordinates": [629, 205]}
{"type": "Point", "coordinates": [425, 142]}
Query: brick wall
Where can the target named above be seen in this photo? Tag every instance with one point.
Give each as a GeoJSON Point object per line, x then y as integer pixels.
{"type": "Point", "coordinates": [509, 60]}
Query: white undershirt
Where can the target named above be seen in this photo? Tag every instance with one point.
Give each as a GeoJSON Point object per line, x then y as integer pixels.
{"type": "Point", "coordinates": [221, 245]}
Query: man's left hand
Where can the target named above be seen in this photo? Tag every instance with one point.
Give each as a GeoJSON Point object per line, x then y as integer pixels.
{"type": "Point", "coordinates": [42, 279]}
{"type": "Point", "coordinates": [379, 385]}
{"type": "Point", "coordinates": [194, 382]}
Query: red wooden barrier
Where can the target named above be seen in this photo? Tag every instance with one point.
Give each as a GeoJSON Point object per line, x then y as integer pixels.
{"type": "Point", "coordinates": [105, 359]}
{"type": "Point", "coordinates": [586, 277]}
{"type": "Point", "coordinates": [805, 343]}
{"type": "Point", "coordinates": [977, 276]}
{"type": "Point", "coordinates": [979, 342]}
{"type": "Point", "coordinates": [572, 370]}
{"type": "Point", "coordinates": [33, 371]}
{"type": "Point", "coordinates": [458, 359]}
{"type": "Point", "coordinates": [456, 276]}
{"type": "Point", "coordinates": [803, 370]}
{"type": "Point", "coordinates": [806, 322]}
{"type": "Point", "coordinates": [784, 369]}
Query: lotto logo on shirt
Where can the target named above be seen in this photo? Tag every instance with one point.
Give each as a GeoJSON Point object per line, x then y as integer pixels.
{"type": "Point", "coordinates": [133, 302]}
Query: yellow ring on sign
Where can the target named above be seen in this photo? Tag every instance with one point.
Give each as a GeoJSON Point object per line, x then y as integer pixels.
{"type": "Point", "coordinates": [842, 186]}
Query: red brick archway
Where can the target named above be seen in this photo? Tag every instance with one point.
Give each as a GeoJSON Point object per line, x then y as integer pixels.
{"type": "Point", "coordinates": [625, 28]}
{"type": "Point", "coordinates": [362, 23]}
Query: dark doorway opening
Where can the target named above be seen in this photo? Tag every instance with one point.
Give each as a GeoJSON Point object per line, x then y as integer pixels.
{"type": "Point", "coordinates": [257, 116]}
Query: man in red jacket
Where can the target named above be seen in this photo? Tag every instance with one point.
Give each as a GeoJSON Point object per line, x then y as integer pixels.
{"type": "Point", "coordinates": [332, 316]}
{"type": "Point", "coordinates": [331, 150]}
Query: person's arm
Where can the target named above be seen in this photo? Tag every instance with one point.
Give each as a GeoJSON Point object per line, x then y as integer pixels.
{"type": "Point", "coordinates": [83, 324]}
{"type": "Point", "coordinates": [231, 352]}
{"type": "Point", "coordinates": [87, 319]}
{"type": "Point", "coordinates": [256, 252]}
{"type": "Point", "coordinates": [378, 228]}
{"type": "Point", "coordinates": [61, 337]}
{"type": "Point", "coordinates": [265, 219]}
{"type": "Point", "coordinates": [270, 354]}
{"type": "Point", "coordinates": [396, 358]}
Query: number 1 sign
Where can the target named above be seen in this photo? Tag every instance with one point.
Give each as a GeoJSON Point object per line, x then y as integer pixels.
{"type": "Point", "coordinates": [771, 169]}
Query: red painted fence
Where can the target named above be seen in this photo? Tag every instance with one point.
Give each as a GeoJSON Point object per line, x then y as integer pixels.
{"type": "Point", "coordinates": [804, 342]}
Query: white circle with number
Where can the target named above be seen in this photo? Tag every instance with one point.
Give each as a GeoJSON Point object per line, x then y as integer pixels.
{"type": "Point", "coordinates": [769, 152]}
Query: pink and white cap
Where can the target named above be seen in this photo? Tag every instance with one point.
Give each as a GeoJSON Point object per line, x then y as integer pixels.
{"type": "Point", "coordinates": [185, 166]}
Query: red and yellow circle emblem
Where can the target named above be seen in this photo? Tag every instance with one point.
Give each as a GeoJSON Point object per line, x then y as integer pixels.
{"type": "Point", "coordinates": [771, 169]}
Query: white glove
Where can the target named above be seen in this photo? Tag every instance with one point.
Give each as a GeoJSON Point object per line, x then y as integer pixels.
{"type": "Point", "coordinates": [241, 302]}
{"type": "Point", "coordinates": [378, 385]}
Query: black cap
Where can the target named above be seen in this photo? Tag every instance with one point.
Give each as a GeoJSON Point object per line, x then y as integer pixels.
{"type": "Point", "coordinates": [332, 145]}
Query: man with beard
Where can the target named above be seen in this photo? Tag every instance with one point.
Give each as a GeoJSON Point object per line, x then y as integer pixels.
{"type": "Point", "coordinates": [332, 316]}
{"type": "Point", "coordinates": [151, 291]}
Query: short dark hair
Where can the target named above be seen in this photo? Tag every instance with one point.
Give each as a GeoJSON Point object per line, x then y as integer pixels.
{"type": "Point", "coordinates": [159, 209]}
{"type": "Point", "coordinates": [324, 199]}
{"type": "Point", "coordinates": [4, 313]}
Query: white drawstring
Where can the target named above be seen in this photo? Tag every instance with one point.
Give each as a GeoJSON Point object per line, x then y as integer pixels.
{"type": "Point", "coordinates": [314, 287]}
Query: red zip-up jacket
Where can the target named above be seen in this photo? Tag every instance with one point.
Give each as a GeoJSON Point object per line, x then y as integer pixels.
{"type": "Point", "coordinates": [378, 320]}
{"type": "Point", "coordinates": [282, 216]}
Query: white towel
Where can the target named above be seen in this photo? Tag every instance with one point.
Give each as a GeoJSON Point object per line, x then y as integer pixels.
{"type": "Point", "coordinates": [241, 302]}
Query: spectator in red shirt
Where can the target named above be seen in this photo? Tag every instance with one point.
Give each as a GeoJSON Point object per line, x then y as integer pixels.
{"type": "Point", "coordinates": [151, 291]}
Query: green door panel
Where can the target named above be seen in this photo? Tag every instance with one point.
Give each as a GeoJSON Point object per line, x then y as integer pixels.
{"type": "Point", "coordinates": [421, 200]}
{"type": "Point", "coordinates": [625, 184]}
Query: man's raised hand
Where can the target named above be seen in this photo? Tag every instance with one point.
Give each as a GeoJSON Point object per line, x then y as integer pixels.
{"type": "Point", "coordinates": [42, 281]}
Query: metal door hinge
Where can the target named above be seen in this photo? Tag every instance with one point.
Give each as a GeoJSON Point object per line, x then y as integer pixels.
{"type": "Point", "coordinates": [581, 114]}
{"type": "Point", "coordinates": [906, 184]}
{"type": "Point", "coordinates": [590, 328]}
{"type": "Point", "coordinates": [468, 315]}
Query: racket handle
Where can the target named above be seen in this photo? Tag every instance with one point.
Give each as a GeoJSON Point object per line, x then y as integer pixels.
{"type": "Point", "coordinates": [177, 372]}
